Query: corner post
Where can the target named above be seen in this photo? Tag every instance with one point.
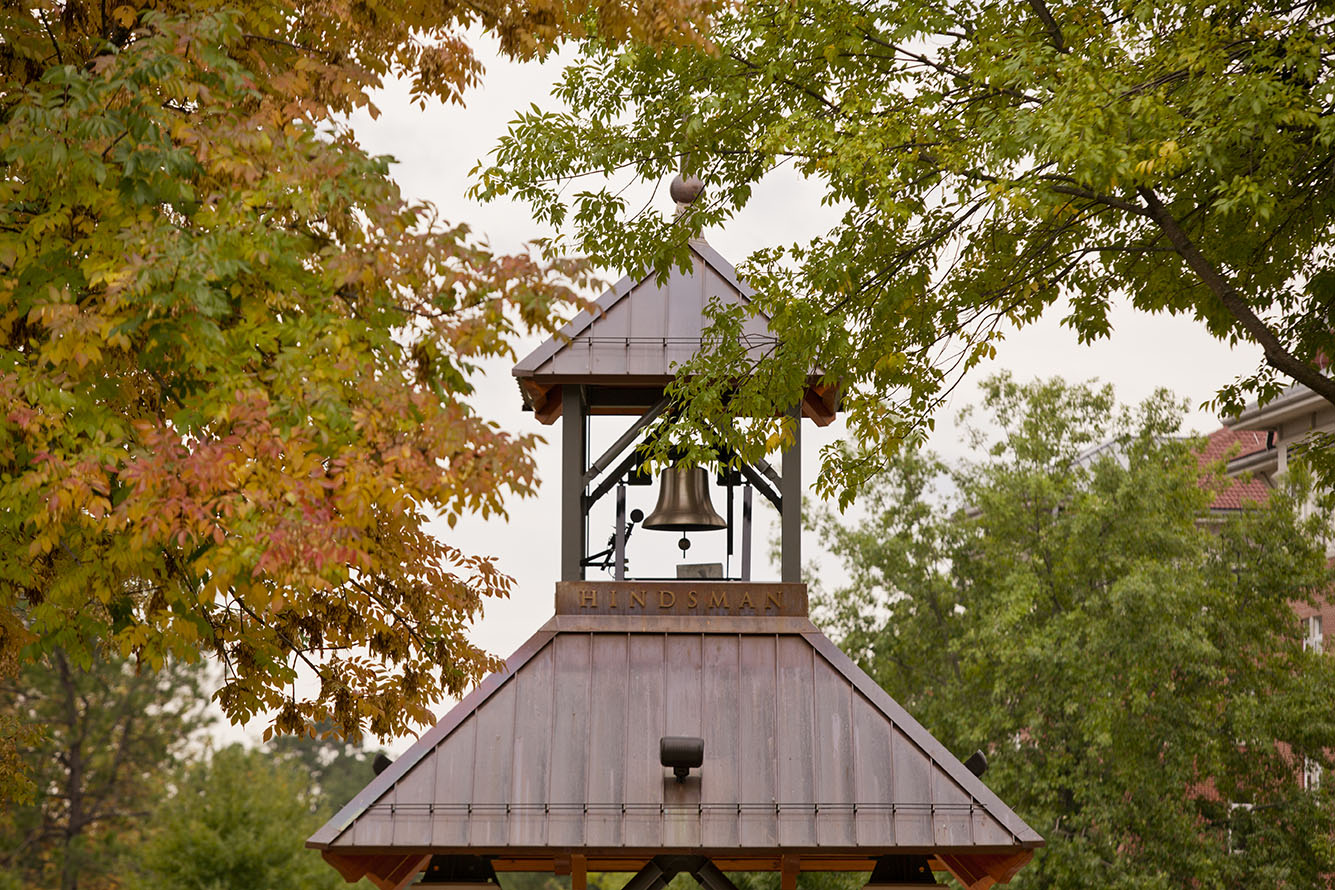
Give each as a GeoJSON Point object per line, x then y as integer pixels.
{"type": "Point", "coordinates": [790, 524]}
{"type": "Point", "coordinates": [574, 445]}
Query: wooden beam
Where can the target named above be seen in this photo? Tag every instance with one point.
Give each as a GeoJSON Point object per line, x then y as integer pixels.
{"type": "Point", "coordinates": [385, 871]}
{"type": "Point", "coordinates": [975, 867]}
{"type": "Point", "coordinates": [1006, 867]}
{"type": "Point", "coordinates": [563, 865]}
{"type": "Point", "coordinates": [816, 408]}
{"type": "Point", "coordinates": [352, 868]}
{"type": "Point", "coordinates": [979, 871]}
{"type": "Point", "coordinates": [550, 412]}
{"type": "Point", "coordinates": [535, 864]}
{"type": "Point", "coordinates": [805, 863]}
{"type": "Point", "coordinates": [406, 872]}
{"type": "Point", "coordinates": [968, 871]}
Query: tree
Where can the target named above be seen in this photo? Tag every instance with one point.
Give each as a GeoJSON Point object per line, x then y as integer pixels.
{"type": "Point", "coordinates": [234, 359]}
{"type": "Point", "coordinates": [106, 747]}
{"type": "Point", "coordinates": [216, 833]}
{"type": "Point", "coordinates": [337, 768]}
{"type": "Point", "coordinates": [1129, 662]}
{"type": "Point", "coordinates": [992, 160]}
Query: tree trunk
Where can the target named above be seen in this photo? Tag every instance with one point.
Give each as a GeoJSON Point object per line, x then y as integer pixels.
{"type": "Point", "coordinates": [69, 866]}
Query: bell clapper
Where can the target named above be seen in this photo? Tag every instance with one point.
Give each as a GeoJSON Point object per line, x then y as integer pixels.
{"type": "Point", "coordinates": [684, 544]}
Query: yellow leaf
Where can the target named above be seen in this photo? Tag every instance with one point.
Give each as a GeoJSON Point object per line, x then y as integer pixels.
{"type": "Point", "coordinates": [125, 15]}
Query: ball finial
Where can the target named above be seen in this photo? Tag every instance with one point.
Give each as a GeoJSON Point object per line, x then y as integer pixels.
{"type": "Point", "coordinates": [685, 189]}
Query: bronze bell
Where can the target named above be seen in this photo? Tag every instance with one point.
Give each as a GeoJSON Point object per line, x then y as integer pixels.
{"type": "Point", "coordinates": [683, 503]}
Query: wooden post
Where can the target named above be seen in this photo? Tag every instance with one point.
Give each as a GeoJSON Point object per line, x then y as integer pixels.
{"type": "Point", "coordinates": [574, 444]}
{"type": "Point", "coordinates": [790, 524]}
{"type": "Point", "coordinates": [788, 865]}
{"type": "Point", "coordinates": [579, 872]}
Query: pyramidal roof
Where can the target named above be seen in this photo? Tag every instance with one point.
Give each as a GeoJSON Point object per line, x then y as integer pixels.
{"type": "Point", "coordinates": [641, 330]}
{"type": "Point", "coordinates": [803, 753]}
{"type": "Point", "coordinates": [641, 327]}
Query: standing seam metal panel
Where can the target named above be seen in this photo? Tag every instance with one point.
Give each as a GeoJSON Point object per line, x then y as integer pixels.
{"type": "Point", "coordinates": [573, 679]}
{"type": "Point", "coordinates": [683, 680]}
{"type": "Point", "coordinates": [532, 760]}
{"type": "Point", "coordinates": [755, 751]}
{"type": "Point", "coordinates": [795, 742]}
{"type": "Point", "coordinates": [794, 756]}
{"type": "Point", "coordinates": [642, 726]}
{"type": "Point", "coordinates": [607, 738]}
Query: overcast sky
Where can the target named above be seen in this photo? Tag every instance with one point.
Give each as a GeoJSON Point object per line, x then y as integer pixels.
{"type": "Point", "coordinates": [436, 148]}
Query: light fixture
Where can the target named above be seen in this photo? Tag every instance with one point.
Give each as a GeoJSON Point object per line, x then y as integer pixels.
{"type": "Point", "coordinates": [681, 753]}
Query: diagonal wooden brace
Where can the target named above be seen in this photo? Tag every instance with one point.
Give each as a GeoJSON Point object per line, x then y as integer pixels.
{"type": "Point", "coordinates": [651, 877]}
{"type": "Point", "coordinates": [711, 877]}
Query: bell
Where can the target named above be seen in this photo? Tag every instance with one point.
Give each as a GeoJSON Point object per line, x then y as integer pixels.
{"type": "Point", "coordinates": [683, 503]}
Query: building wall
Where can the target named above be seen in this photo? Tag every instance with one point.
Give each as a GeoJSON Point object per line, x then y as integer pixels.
{"type": "Point", "coordinates": [1289, 420]}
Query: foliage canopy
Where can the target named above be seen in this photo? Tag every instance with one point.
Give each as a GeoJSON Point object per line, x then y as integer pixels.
{"type": "Point", "coordinates": [235, 361]}
{"type": "Point", "coordinates": [992, 161]}
{"type": "Point", "coordinates": [1127, 659]}
{"type": "Point", "coordinates": [237, 820]}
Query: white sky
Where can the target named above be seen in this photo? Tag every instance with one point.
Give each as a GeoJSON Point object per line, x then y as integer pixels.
{"type": "Point", "coordinates": [436, 148]}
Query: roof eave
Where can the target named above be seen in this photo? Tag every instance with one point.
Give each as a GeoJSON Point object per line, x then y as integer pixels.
{"type": "Point", "coordinates": [1293, 402]}
{"type": "Point", "coordinates": [1262, 462]}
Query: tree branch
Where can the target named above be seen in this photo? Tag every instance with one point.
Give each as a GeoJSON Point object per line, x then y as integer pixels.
{"type": "Point", "coordinates": [1078, 192]}
{"type": "Point", "coordinates": [1054, 30]}
{"type": "Point", "coordinates": [1276, 354]}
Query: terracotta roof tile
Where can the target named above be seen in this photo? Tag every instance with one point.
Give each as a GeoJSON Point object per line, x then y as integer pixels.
{"type": "Point", "coordinates": [1226, 444]}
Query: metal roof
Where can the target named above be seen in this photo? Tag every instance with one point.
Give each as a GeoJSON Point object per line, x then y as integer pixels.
{"type": "Point", "coordinates": [803, 752]}
{"type": "Point", "coordinates": [641, 330]}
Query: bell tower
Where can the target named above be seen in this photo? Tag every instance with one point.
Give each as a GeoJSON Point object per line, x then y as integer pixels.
{"type": "Point", "coordinates": [775, 752]}
{"type": "Point", "coordinates": [618, 360]}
